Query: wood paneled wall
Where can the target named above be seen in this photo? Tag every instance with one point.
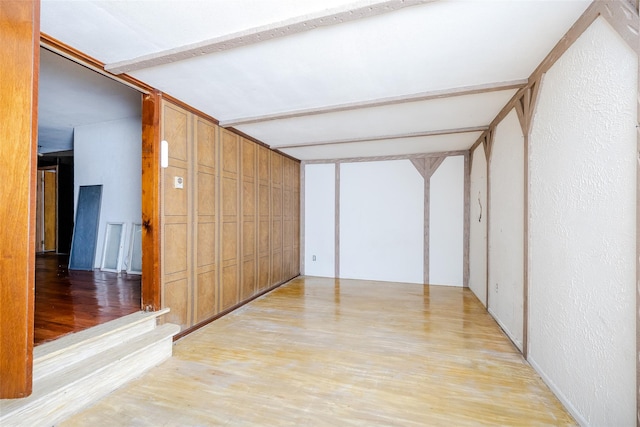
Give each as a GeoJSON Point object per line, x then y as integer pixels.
{"type": "Point", "coordinates": [232, 231]}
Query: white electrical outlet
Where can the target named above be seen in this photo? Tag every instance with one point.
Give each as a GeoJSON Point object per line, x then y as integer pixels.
{"type": "Point", "coordinates": [178, 182]}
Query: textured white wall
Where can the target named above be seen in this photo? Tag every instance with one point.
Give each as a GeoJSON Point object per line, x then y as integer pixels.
{"type": "Point", "coordinates": [319, 223]}
{"type": "Point", "coordinates": [110, 154]}
{"type": "Point", "coordinates": [381, 221]}
{"type": "Point", "coordinates": [478, 226]}
{"type": "Point", "coordinates": [446, 229]}
{"type": "Point", "coordinates": [582, 229]}
{"type": "Point", "coordinates": [506, 227]}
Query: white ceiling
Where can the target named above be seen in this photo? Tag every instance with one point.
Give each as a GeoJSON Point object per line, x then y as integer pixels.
{"type": "Point", "coordinates": [401, 51]}
{"type": "Point", "coordinates": [71, 95]}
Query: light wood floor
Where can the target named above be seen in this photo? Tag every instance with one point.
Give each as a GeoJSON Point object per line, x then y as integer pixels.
{"type": "Point", "coordinates": [319, 352]}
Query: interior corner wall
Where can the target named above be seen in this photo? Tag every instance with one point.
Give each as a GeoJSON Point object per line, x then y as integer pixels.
{"type": "Point", "coordinates": [506, 228]}
{"type": "Point", "coordinates": [582, 214]}
{"type": "Point", "coordinates": [478, 226]}
{"type": "Point", "coordinates": [381, 221]}
{"type": "Point", "coordinates": [446, 223]}
{"type": "Point", "coordinates": [319, 208]}
{"type": "Point", "coordinates": [110, 154]}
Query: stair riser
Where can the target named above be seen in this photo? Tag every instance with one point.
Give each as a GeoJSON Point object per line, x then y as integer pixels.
{"type": "Point", "coordinates": [46, 366]}
{"type": "Point", "coordinates": [72, 397]}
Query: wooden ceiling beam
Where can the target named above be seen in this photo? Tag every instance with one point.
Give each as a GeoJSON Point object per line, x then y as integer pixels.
{"type": "Point", "coordinates": [351, 12]}
{"type": "Point", "coordinates": [414, 97]}
{"type": "Point", "coordinates": [385, 137]}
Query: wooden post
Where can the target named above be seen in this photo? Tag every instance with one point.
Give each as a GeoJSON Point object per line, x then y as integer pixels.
{"type": "Point", "coordinates": [20, 34]}
{"type": "Point", "coordinates": [151, 300]}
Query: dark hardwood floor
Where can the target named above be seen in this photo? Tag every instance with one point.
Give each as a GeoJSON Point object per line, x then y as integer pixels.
{"type": "Point", "coordinates": [70, 301]}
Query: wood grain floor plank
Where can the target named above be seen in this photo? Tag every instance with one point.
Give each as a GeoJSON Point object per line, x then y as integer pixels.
{"type": "Point", "coordinates": [331, 352]}
{"type": "Point", "coordinates": [71, 301]}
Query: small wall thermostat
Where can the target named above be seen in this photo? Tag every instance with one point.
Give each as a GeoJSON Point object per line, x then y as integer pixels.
{"type": "Point", "coordinates": [178, 182]}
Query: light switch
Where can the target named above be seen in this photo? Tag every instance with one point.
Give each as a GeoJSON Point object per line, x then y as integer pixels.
{"type": "Point", "coordinates": [178, 182]}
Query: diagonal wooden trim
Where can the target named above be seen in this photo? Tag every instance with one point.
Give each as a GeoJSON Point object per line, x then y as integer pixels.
{"type": "Point", "coordinates": [623, 17]}
{"type": "Point", "coordinates": [386, 137]}
{"type": "Point", "coordinates": [489, 143]}
{"type": "Point", "coordinates": [299, 24]}
{"type": "Point", "coordinates": [384, 158]}
{"type": "Point", "coordinates": [394, 100]}
{"type": "Point", "coordinates": [420, 165]}
{"type": "Point", "coordinates": [435, 164]}
{"type": "Point", "coordinates": [576, 30]}
{"type": "Point", "coordinates": [522, 116]}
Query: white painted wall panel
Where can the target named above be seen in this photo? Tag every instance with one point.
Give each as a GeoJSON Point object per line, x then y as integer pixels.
{"type": "Point", "coordinates": [446, 229]}
{"type": "Point", "coordinates": [582, 225]}
{"type": "Point", "coordinates": [506, 227]}
{"type": "Point", "coordinates": [381, 221]}
{"type": "Point", "coordinates": [319, 224]}
{"type": "Point", "coordinates": [110, 154]}
{"type": "Point", "coordinates": [478, 226]}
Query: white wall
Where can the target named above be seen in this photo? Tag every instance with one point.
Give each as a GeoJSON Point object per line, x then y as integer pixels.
{"type": "Point", "coordinates": [110, 154]}
{"type": "Point", "coordinates": [446, 223]}
{"type": "Point", "coordinates": [319, 223]}
{"type": "Point", "coordinates": [381, 221]}
{"type": "Point", "coordinates": [506, 228]}
{"type": "Point", "coordinates": [582, 229]}
{"type": "Point", "coordinates": [478, 226]}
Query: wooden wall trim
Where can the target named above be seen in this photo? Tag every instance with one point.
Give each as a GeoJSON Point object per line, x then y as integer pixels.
{"type": "Point", "coordinates": [62, 49]}
{"type": "Point", "coordinates": [194, 328]}
{"type": "Point", "coordinates": [20, 30]}
{"type": "Point", "coordinates": [467, 216]}
{"type": "Point", "coordinates": [386, 137]}
{"type": "Point", "coordinates": [638, 248]}
{"type": "Point", "coordinates": [337, 222]}
{"type": "Point", "coordinates": [623, 17]}
{"type": "Point", "coordinates": [427, 221]}
{"type": "Point", "coordinates": [420, 164]}
{"type": "Point", "coordinates": [151, 215]}
{"type": "Point", "coordinates": [525, 108]}
{"type": "Point", "coordinates": [372, 103]}
{"type": "Point", "coordinates": [269, 31]}
{"type": "Point", "coordinates": [435, 163]}
{"type": "Point", "coordinates": [576, 30]}
{"type": "Point", "coordinates": [385, 158]}
{"type": "Point", "coordinates": [488, 144]}
{"type": "Point", "coordinates": [302, 218]}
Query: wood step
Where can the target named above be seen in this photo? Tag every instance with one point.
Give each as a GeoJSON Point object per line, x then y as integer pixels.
{"type": "Point", "coordinates": [56, 355]}
{"type": "Point", "coordinates": [59, 395]}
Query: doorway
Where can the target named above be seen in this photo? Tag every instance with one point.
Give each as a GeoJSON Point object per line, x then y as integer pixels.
{"type": "Point", "coordinates": [89, 133]}
{"type": "Point", "coordinates": [47, 210]}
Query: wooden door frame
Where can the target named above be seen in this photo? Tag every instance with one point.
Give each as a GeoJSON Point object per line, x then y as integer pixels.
{"type": "Point", "coordinates": [20, 29]}
{"type": "Point", "coordinates": [150, 123]}
{"type": "Point", "coordinates": [40, 210]}
{"type": "Point", "coordinates": [21, 25]}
